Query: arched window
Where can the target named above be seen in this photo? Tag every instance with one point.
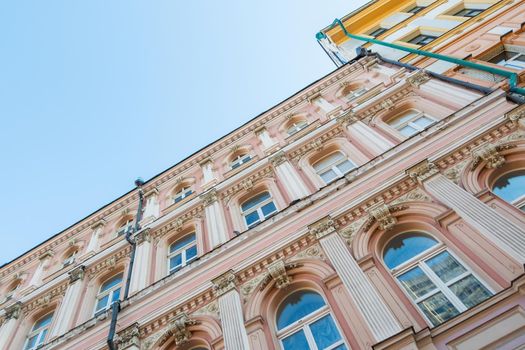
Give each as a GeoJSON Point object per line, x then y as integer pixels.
{"type": "Point", "coordinates": [70, 257]}
{"type": "Point", "coordinates": [182, 252]}
{"type": "Point", "coordinates": [109, 293]}
{"type": "Point", "coordinates": [410, 122]}
{"type": "Point", "coordinates": [438, 283]}
{"type": "Point", "coordinates": [304, 322]}
{"type": "Point", "coordinates": [240, 160]}
{"type": "Point", "coordinates": [353, 92]}
{"type": "Point", "coordinates": [333, 166]}
{"type": "Point", "coordinates": [125, 226]}
{"type": "Point", "coordinates": [296, 126]}
{"type": "Point", "coordinates": [258, 208]}
{"type": "Point", "coordinates": [511, 188]}
{"type": "Point", "coordinates": [182, 193]}
{"type": "Point", "coordinates": [37, 336]}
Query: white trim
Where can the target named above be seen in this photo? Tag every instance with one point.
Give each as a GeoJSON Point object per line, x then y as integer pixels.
{"type": "Point", "coordinates": [182, 251]}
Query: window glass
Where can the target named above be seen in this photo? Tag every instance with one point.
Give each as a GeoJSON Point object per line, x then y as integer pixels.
{"type": "Point", "coordinates": [468, 12]}
{"type": "Point", "coordinates": [378, 31]}
{"type": "Point", "coordinates": [438, 308]}
{"type": "Point", "coordinates": [182, 252]}
{"type": "Point", "coordinates": [422, 39]}
{"type": "Point", "coordinates": [111, 283]}
{"type": "Point", "coordinates": [325, 332]}
{"type": "Point", "coordinates": [406, 246]}
{"type": "Point", "coordinates": [258, 208]}
{"type": "Point", "coordinates": [182, 242]}
{"type": "Point", "coordinates": [296, 306]}
{"type": "Point", "coordinates": [240, 160]}
{"type": "Point", "coordinates": [36, 337]}
{"type": "Point", "coordinates": [416, 9]}
{"type": "Point", "coordinates": [255, 200]}
{"type": "Point", "coordinates": [416, 283]}
{"type": "Point", "coordinates": [511, 188]}
{"type": "Point", "coordinates": [445, 266]}
{"type": "Point", "coordinates": [470, 291]}
{"type": "Point", "coordinates": [333, 166]}
{"type": "Point", "coordinates": [296, 127]}
{"type": "Point", "coordinates": [183, 193]}
{"type": "Point", "coordinates": [109, 292]}
{"type": "Point", "coordinates": [296, 341]}
{"type": "Point", "coordinates": [510, 59]}
{"type": "Point", "coordinates": [410, 122]}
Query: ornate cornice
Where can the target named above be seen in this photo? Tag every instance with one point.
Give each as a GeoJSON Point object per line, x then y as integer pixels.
{"type": "Point", "coordinates": [128, 337]}
{"type": "Point", "coordinates": [322, 228]}
{"type": "Point", "coordinates": [76, 274]}
{"type": "Point", "coordinates": [13, 311]}
{"type": "Point", "coordinates": [418, 78]}
{"type": "Point", "coordinates": [278, 159]}
{"type": "Point", "coordinates": [179, 328]}
{"type": "Point", "coordinates": [516, 114]}
{"type": "Point", "coordinates": [109, 262]}
{"type": "Point", "coordinates": [143, 236]}
{"type": "Point", "coordinates": [209, 197]}
{"type": "Point", "coordinates": [490, 154]}
{"type": "Point", "coordinates": [248, 182]}
{"type": "Point", "coordinates": [315, 144]}
{"type": "Point", "coordinates": [224, 283]}
{"type": "Point", "coordinates": [422, 171]}
{"type": "Point", "coordinates": [45, 298]}
{"type": "Point", "coordinates": [381, 213]}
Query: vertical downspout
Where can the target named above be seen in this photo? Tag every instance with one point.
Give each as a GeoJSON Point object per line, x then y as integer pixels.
{"type": "Point", "coordinates": [115, 307]}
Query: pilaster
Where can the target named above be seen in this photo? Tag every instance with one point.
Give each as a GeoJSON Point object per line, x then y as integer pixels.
{"type": "Point", "coordinates": [288, 175]}
{"type": "Point", "coordinates": [215, 219]}
{"type": "Point", "coordinates": [10, 324]}
{"type": "Point", "coordinates": [141, 266]}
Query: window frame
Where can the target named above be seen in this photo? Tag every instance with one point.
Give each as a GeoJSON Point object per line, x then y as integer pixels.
{"type": "Point", "coordinates": [183, 193]}
{"type": "Point", "coordinates": [240, 160]}
{"type": "Point", "coordinates": [417, 8]}
{"type": "Point", "coordinates": [128, 224]}
{"type": "Point", "coordinates": [109, 292]}
{"type": "Point", "coordinates": [70, 259]}
{"type": "Point", "coordinates": [304, 323]}
{"type": "Point", "coordinates": [333, 166]}
{"type": "Point", "coordinates": [419, 261]}
{"type": "Point", "coordinates": [381, 30]}
{"type": "Point", "coordinates": [518, 202]}
{"type": "Point", "coordinates": [519, 66]}
{"type": "Point", "coordinates": [422, 37]}
{"type": "Point", "coordinates": [258, 208]}
{"type": "Point", "coordinates": [41, 338]}
{"type": "Point", "coordinates": [182, 251]}
{"type": "Point", "coordinates": [296, 126]}
{"type": "Point", "coordinates": [410, 122]}
{"type": "Point", "coordinates": [457, 12]}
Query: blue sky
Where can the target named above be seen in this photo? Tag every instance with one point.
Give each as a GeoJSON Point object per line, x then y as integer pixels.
{"type": "Point", "coordinates": [95, 93]}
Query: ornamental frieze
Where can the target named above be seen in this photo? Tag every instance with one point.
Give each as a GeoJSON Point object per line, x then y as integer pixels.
{"type": "Point", "coordinates": [45, 298]}
{"type": "Point", "coordinates": [315, 144]}
{"type": "Point", "coordinates": [109, 263]}
{"type": "Point", "coordinates": [248, 182]}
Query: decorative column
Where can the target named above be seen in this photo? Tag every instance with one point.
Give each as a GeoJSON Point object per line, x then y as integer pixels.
{"type": "Point", "coordinates": [70, 302]}
{"type": "Point", "coordinates": [208, 173]}
{"type": "Point", "coordinates": [152, 207]}
{"type": "Point", "coordinates": [265, 138]}
{"type": "Point", "coordinates": [320, 102]}
{"type": "Point", "coordinates": [215, 220]}
{"type": "Point", "coordinates": [378, 316]}
{"type": "Point", "coordinates": [36, 279]}
{"type": "Point", "coordinates": [95, 237]}
{"type": "Point", "coordinates": [231, 314]}
{"type": "Point", "coordinates": [141, 266]}
{"type": "Point", "coordinates": [128, 338]}
{"type": "Point", "coordinates": [292, 182]}
{"type": "Point", "coordinates": [517, 116]}
{"type": "Point", "coordinates": [10, 324]}
{"type": "Point", "coordinates": [364, 134]}
{"type": "Point", "coordinates": [508, 236]}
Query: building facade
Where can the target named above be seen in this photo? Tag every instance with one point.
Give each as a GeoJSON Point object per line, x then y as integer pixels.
{"type": "Point", "coordinates": [380, 207]}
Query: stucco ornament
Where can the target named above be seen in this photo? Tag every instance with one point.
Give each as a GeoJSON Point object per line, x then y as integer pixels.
{"type": "Point", "coordinates": [347, 118]}
{"type": "Point", "coordinates": [224, 283]}
{"type": "Point", "coordinates": [209, 197]}
{"type": "Point", "coordinates": [179, 328]}
{"type": "Point", "coordinates": [350, 231]}
{"type": "Point", "coordinates": [143, 236]}
{"type": "Point", "coordinates": [322, 227]}
{"type": "Point", "coordinates": [418, 78]}
{"type": "Point", "coordinates": [128, 337]}
{"type": "Point", "coordinates": [77, 274]}
{"type": "Point", "coordinates": [516, 114]}
{"type": "Point", "coordinates": [278, 159]}
{"type": "Point", "coordinates": [381, 213]}
{"type": "Point", "coordinates": [416, 194]}
{"type": "Point", "coordinates": [13, 311]}
{"type": "Point", "coordinates": [488, 153]}
{"type": "Point", "coordinates": [422, 171]}
{"type": "Point", "coordinates": [277, 271]}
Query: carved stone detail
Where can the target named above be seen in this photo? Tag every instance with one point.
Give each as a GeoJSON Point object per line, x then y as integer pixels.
{"type": "Point", "coordinates": [211, 308]}
{"type": "Point", "coordinates": [323, 227]}
{"type": "Point", "coordinates": [418, 78]}
{"type": "Point", "coordinates": [422, 171]}
{"type": "Point", "coordinates": [143, 236]}
{"type": "Point", "coordinates": [347, 118]}
{"type": "Point", "coordinates": [77, 274]}
{"type": "Point", "coordinates": [350, 231]}
{"type": "Point", "coordinates": [224, 283]}
{"type": "Point", "coordinates": [489, 153]}
{"type": "Point", "coordinates": [128, 337]}
{"type": "Point", "coordinates": [278, 159]}
{"type": "Point", "coordinates": [179, 328]}
{"type": "Point", "coordinates": [209, 197]}
{"type": "Point", "coordinates": [415, 195]}
{"type": "Point", "coordinates": [314, 251]}
{"type": "Point", "coordinates": [277, 270]}
{"type": "Point", "coordinates": [516, 114]}
{"type": "Point", "coordinates": [381, 213]}
{"type": "Point", "coordinates": [13, 311]}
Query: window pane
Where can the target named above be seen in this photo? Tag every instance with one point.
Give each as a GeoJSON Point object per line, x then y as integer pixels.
{"type": "Point", "coordinates": [510, 186]}
{"type": "Point", "coordinates": [175, 261]}
{"type": "Point", "coordinates": [328, 161]}
{"type": "Point", "coordinates": [251, 218]}
{"type": "Point", "coordinates": [445, 266]}
{"type": "Point", "coordinates": [44, 321]}
{"type": "Point", "coordinates": [116, 295]}
{"type": "Point", "coordinates": [325, 332]}
{"type": "Point", "coordinates": [269, 208]}
{"type": "Point", "coordinates": [31, 342]}
{"type": "Point", "coordinates": [406, 116]}
{"type": "Point", "coordinates": [340, 347]}
{"type": "Point", "coordinates": [423, 122]}
{"type": "Point", "coordinates": [407, 131]}
{"type": "Point", "coordinates": [416, 283]}
{"type": "Point", "coordinates": [191, 253]}
{"type": "Point", "coordinates": [102, 303]}
{"type": "Point", "coordinates": [406, 246]}
{"type": "Point", "coordinates": [328, 176]}
{"type": "Point", "coordinates": [438, 308]}
{"type": "Point", "coordinates": [297, 306]}
{"type": "Point", "coordinates": [346, 166]}
{"type": "Point", "coordinates": [111, 283]}
{"type": "Point", "coordinates": [42, 337]}
{"type": "Point", "coordinates": [255, 200]}
{"type": "Point", "coordinates": [182, 242]}
{"type": "Point", "coordinates": [296, 341]}
{"type": "Point", "coordinates": [470, 291]}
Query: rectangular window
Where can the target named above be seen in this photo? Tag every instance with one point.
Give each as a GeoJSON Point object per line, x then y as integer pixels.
{"type": "Point", "coordinates": [510, 59]}
{"type": "Point", "coordinates": [378, 31]}
{"type": "Point", "coordinates": [468, 12]}
{"type": "Point", "coordinates": [416, 9]}
{"type": "Point", "coordinates": [422, 39]}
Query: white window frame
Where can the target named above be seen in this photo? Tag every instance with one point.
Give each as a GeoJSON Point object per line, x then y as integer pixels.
{"type": "Point", "coordinates": [303, 324]}
{"type": "Point", "coordinates": [258, 208]}
{"type": "Point", "coordinates": [38, 332]}
{"type": "Point", "coordinates": [240, 160]}
{"type": "Point", "coordinates": [356, 93]}
{"type": "Point", "coordinates": [296, 126]}
{"type": "Point", "coordinates": [109, 292]}
{"type": "Point", "coordinates": [419, 261]}
{"type": "Point", "coordinates": [519, 202]}
{"type": "Point", "coordinates": [182, 194]}
{"type": "Point", "coordinates": [124, 227]}
{"type": "Point", "coordinates": [333, 166]}
{"type": "Point", "coordinates": [182, 252]}
{"type": "Point", "coordinates": [410, 122]}
{"type": "Point", "coordinates": [509, 63]}
{"type": "Point", "coordinates": [70, 259]}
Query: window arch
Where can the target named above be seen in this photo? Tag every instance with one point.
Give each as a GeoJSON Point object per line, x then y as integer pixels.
{"type": "Point", "coordinates": [108, 294]}
{"type": "Point", "coordinates": [304, 321]}
{"type": "Point", "coordinates": [437, 282]}
{"type": "Point", "coordinates": [70, 256]}
{"type": "Point", "coordinates": [181, 192]}
{"type": "Point", "coordinates": [258, 208]}
{"type": "Point", "coordinates": [294, 125]}
{"type": "Point", "coordinates": [124, 226]}
{"type": "Point", "coordinates": [182, 252]}
{"type": "Point", "coordinates": [239, 159]}
{"type": "Point", "coordinates": [353, 91]}
{"type": "Point", "coordinates": [410, 122]}
{"type": "Point", "coordinates": [333, 166]}
{"type": "Point", "coordinates": [36, 338]}
{"type": "Point", "coordinates": [511, 188]}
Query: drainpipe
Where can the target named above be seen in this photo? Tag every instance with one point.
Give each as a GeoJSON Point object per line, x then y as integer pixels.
{"type": "Point", "coordinates": [513, 77]}
{"type": "Point", "coordinates": [115, 307]}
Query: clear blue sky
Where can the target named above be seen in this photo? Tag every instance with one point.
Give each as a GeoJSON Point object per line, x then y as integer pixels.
{"type": "Point", "coordinates": [96, 93]}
